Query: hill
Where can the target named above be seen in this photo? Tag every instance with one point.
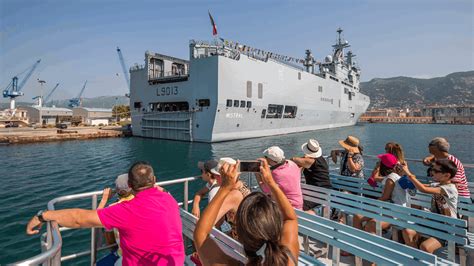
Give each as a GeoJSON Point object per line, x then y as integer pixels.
{"type": "Point", "coordinates": [456, 88]}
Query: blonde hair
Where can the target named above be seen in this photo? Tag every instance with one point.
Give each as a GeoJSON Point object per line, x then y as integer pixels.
{"type": "Point", "coordinates": [397, 150]}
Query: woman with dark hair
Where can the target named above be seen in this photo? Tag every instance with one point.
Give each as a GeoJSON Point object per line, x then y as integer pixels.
{"type": "Point", "coordinates": [267, 230]}
{"type": "Point", "coordinates": [392, 192]}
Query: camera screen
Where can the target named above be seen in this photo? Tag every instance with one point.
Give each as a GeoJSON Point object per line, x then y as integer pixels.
{"type": "Point", "coordinates": [250, 166]}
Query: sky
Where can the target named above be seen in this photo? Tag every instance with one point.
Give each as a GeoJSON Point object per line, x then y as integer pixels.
{"type": "Point", "coordinates": [77, 40]}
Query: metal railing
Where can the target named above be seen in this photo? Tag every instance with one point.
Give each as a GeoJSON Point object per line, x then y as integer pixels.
{"type": "Point", "coordinates": [51, 248]}
{"type": "Point", "coordinates": [51, 241]}
{"type": "Point", "coordinates": [169, 74]}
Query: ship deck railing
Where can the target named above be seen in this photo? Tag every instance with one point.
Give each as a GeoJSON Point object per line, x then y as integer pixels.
{"type": "Point", "coordinates": [51, 241]}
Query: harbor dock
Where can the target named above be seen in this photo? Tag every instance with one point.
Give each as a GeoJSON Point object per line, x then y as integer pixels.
{"type": "Point", "coordinates": [31, 135]}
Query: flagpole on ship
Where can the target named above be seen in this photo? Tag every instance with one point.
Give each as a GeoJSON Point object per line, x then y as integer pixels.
{"type": "Point", "coordinates": [215, 35]}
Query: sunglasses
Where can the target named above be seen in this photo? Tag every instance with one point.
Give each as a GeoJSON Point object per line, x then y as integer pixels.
{"type": "Point", "coordinates": [433, 170]}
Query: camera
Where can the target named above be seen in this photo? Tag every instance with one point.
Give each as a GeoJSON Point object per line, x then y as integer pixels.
{"type": "Point", "coordinates": [250, 166]}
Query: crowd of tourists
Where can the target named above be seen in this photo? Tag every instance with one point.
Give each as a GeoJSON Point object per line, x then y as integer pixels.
{"type": "Point", "coordinates": [146, 224]}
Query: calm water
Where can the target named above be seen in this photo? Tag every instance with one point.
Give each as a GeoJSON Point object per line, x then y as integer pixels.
{"type": "Point", "coordinates": [34, 174]}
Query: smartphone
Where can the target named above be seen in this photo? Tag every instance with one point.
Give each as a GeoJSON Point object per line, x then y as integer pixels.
{"type": "Point", "coordinates": [250, 166]}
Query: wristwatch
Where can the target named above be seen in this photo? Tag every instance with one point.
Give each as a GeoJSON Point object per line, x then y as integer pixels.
{"type": "Point", "coordinates": [40, 216]}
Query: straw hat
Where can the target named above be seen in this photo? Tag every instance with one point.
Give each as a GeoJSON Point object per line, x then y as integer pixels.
{"type": "Point", "coordinates": [312, 148]}
{"type": "Point", "coordinates": [351, 144]}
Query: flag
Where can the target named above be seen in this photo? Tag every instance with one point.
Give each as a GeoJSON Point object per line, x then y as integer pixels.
{"type": "Point", "coordinates": [214, 28]}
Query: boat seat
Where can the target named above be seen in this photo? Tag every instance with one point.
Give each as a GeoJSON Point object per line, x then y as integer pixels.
{"type": "Point", "coordinates": [452, 230]}
{"type": "Point", "coordinates": [366, 246]}
{"type": "Point", "coordinates": [228, 245]}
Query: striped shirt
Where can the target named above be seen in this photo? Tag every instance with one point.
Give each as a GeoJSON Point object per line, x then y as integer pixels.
{"type": "Point", "coordinates": [460, 179]}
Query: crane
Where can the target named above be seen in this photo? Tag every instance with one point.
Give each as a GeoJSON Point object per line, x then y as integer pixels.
{"type": "Point", "coordinates": [124, 69]}
{"type": "Point", "coordinates": [46, 99]}
{"type": "Point", "coordinates": [13, 89]}
{"type": "Point", "coordinates": [75, 102]}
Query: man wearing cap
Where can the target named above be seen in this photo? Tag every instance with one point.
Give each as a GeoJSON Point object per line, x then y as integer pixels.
{"type": "Point", "coordinates": [150, 225]}
{"type": "Point", "coordinates": [351, 163]}
{"type": "Point", "coordinates": [209, 174]}
{"type": "Point", "coordinates": [315, 169]}
{"type": "Point", "coordinates": [286, 174]}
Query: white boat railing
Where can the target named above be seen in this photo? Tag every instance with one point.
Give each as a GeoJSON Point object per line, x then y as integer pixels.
{"type": "Point", "coordinates": [51, 240]}
{"type": "Point", "coordinates": [51, 248]}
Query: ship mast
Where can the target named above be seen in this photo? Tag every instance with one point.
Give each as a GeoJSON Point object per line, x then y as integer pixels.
{"type": "Point", "coordinates": [338, 55]}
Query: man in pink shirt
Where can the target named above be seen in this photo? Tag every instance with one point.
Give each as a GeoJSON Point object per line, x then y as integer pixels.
{"type": "Point", "coordinates": [149, 225]}
{"type": "Point", "coordinates": [286, 174]}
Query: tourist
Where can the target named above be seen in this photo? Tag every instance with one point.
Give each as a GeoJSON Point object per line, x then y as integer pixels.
{"type": "Point", "coordinates": [149, 225]}
{"type": "Point", "coordinates": [392, 148]}
{"type": "Point", "coordinates": [439, 149]}
{"type": "Point", "coordinates": [444, 200]}
{"type": "Point", "coordinates": [315, 169]}
{"type": "Point", "coordinates": [286, 174]}
{"type": "Point", "coordinates": [351, 162]}
{"type": "Point", "coordinates": [268, 231]}
{"type": "Point", "coordinates": [124, 193]}
{"type": "Point", "coordinates": [392, 192]}
{"type": "Point", "coordinates": [209, 173]}
{"type": "Point", "coordinates": [231, 203]}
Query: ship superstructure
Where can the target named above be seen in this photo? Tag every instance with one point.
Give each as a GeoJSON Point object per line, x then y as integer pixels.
{"type": "Point", "coordinates": [228, 91]}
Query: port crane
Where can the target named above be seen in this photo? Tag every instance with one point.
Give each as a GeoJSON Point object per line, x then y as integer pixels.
{"type": "Point", "coordinates": [13, 89]}
{"type": "Point", "coordinates": [46, 99]}
{"type": "Point", "coordinates": [75, 102]}
{"type": "Point", "coordinates": [124, 69]}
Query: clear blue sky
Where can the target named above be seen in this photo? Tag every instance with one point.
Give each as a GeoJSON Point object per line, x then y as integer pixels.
{"type": "Point", "coordinates": [76, 40]}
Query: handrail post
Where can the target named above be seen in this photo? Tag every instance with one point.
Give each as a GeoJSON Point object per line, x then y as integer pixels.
{"type": "Point", "coordinates": [49, 241]}
{"type": "Point", "coordinates": [93, 236]}
{"type": "Point", "coordinates": [186, 196]}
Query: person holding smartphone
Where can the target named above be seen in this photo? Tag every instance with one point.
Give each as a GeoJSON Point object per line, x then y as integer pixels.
{"type": "Point", "coordinates": [268, 230]}
{"type": "Point", "coordinates": [286, 174]}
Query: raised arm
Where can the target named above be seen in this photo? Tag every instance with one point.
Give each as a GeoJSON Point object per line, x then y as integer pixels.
{"type": "Point", "coordinates": [428, 160]}
{"type": "Point", "coordinates": [376, 173]}
{"type": "Point", "coordinates": [289, 237]}
{"type": "Point", "coordinates": [204, 226]}
{"type": "Point", "coordinates": [73, 218]}
{"type": "Point", "coordinates": [403, 170]}
{"type": "Point", "coordinates": [353, 166]}
{"type": "Point", "coordinates": [197, 199]}
{"type": "Point", "coordinates": [303, 162]}
{"type": "Point", "coordinates": [105, 197]}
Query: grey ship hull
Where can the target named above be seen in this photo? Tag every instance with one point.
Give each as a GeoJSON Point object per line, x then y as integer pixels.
{"type": "Point", "coordinates": [236, 98]}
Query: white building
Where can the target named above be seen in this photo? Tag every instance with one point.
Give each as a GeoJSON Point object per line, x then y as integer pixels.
{"type": "Point", "coordinates": [47, 115]}
{"type": "Point", "coordinates": [93, 116]}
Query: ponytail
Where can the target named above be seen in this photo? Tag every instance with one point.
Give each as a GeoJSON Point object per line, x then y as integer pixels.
{"type": "Point", "coordinates": [275, 254]}
{"type": "Point", "coordinates": [271, 253]}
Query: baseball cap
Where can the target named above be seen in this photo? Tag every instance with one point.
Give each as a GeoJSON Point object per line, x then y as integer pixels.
{"type": "Point", "coordinates": [275, 154]}
{"type": "Point", "coordinates": [121, 184]}
{"type": "Point", "coordinates": [210, 166]}
{"type": "Point", "coordinates": [388, 159]}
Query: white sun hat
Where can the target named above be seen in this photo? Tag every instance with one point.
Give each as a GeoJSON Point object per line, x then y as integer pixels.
{"type": "Point", "coordinates": [312, 148]}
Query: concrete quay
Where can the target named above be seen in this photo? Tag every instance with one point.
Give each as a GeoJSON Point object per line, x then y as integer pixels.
{"type": "Point", "coordinates": [30, 135]}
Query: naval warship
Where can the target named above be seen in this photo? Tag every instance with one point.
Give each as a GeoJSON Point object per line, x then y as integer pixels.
{"type": "Point", "coordinates": [228, 91]}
